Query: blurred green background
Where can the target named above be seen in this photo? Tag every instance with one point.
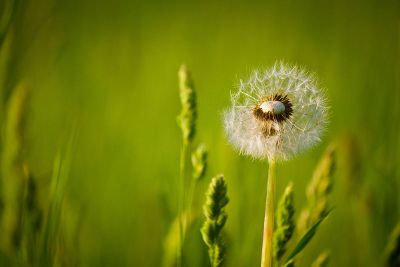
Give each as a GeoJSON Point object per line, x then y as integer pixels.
{"type": "Point", "coordinates": [108, 70]}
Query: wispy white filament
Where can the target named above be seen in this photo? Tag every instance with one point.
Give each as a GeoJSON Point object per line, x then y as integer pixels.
{"type": "Point", "coordinates": [293, 135]}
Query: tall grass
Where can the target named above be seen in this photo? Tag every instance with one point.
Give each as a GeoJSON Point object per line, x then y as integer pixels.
{"type": "Point", "coordinates": [31, 230]}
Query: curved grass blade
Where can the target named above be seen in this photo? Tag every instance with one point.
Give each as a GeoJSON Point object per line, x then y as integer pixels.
{"type": "Point", "coordinates": [307, 237]}
{"type": "Point", "coordinates": [61, 171]}
{"type": "Point", "coordinates": [6, 16]}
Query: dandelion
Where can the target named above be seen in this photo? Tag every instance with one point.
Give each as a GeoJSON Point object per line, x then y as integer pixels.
{"type": "Point", "coordinates": [275, 115]}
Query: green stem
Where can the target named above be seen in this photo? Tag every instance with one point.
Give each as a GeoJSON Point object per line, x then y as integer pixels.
{"type": "Point", "coordinates": [190, 198]}
{"type": "Point", "coordinates": [267, 257]}
{"type": "Point", "coordinates": [185, 153]}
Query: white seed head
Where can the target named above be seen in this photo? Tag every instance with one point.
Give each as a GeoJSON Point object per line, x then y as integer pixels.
{"type": "Point", "coordinates": [276, 114]}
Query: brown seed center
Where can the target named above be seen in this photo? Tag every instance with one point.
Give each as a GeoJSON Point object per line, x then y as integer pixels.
{"type": "Point", "coordinates": [271, 111]}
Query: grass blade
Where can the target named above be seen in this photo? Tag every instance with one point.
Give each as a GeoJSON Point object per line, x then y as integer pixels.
{"type": "Point", "coordinates": [307, 237]}
{"type": "Point", "coordinates": [6, 17]}
{"type": "Point", "coordinates": [61, 171]}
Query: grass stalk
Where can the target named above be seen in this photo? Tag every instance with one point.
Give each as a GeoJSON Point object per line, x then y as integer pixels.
{"type": "Point", "coordinates": [51, 238]}
{"type": "Point", "coordinates": [187, 122]}
{"type": "Point", "coordinates": [185, 153]}
{"type": "Point", "coordinates": [199, 166]}
{"type": "Point", "coordinates": [267, 255]}
{"type": "Point", "coordinates": [190, 197]}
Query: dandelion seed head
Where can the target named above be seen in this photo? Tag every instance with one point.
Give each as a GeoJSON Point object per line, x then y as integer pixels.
{"type": "Point", "coordinates": [276, 114]}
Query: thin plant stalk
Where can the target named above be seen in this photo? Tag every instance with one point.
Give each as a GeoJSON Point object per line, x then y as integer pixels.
{"type": "Point", "coordinates": [267, 255]}
{"type": "Point", "coordinates": [192, 189]}
{"type": "Point", "coordinates": [199, 165]}
{"type": "Point", "coordinates": [185, 153]}
{"type": "Point", "coordinates": [186, 121]}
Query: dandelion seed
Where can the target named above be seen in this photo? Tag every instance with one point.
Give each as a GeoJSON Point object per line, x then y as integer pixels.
{"type": "Point", "coordinates": [276, 114]}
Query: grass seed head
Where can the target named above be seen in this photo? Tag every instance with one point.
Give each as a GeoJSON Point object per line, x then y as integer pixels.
{"type": "Point", "coordinates": [199, 162]}
{"type": "Point", "coordinates": [187, 118]}
{"type": "Point", "coordinates": [284, 222]}
{"type": "Point", "coordinates": [214, 211]}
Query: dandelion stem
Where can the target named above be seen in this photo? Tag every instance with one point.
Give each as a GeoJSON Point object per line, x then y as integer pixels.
{"type": "Point", "coordinates": [267, 256]}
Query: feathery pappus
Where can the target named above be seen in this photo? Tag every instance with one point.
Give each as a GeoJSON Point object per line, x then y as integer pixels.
{"type": "Point", "coordinates": [276, 113]}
